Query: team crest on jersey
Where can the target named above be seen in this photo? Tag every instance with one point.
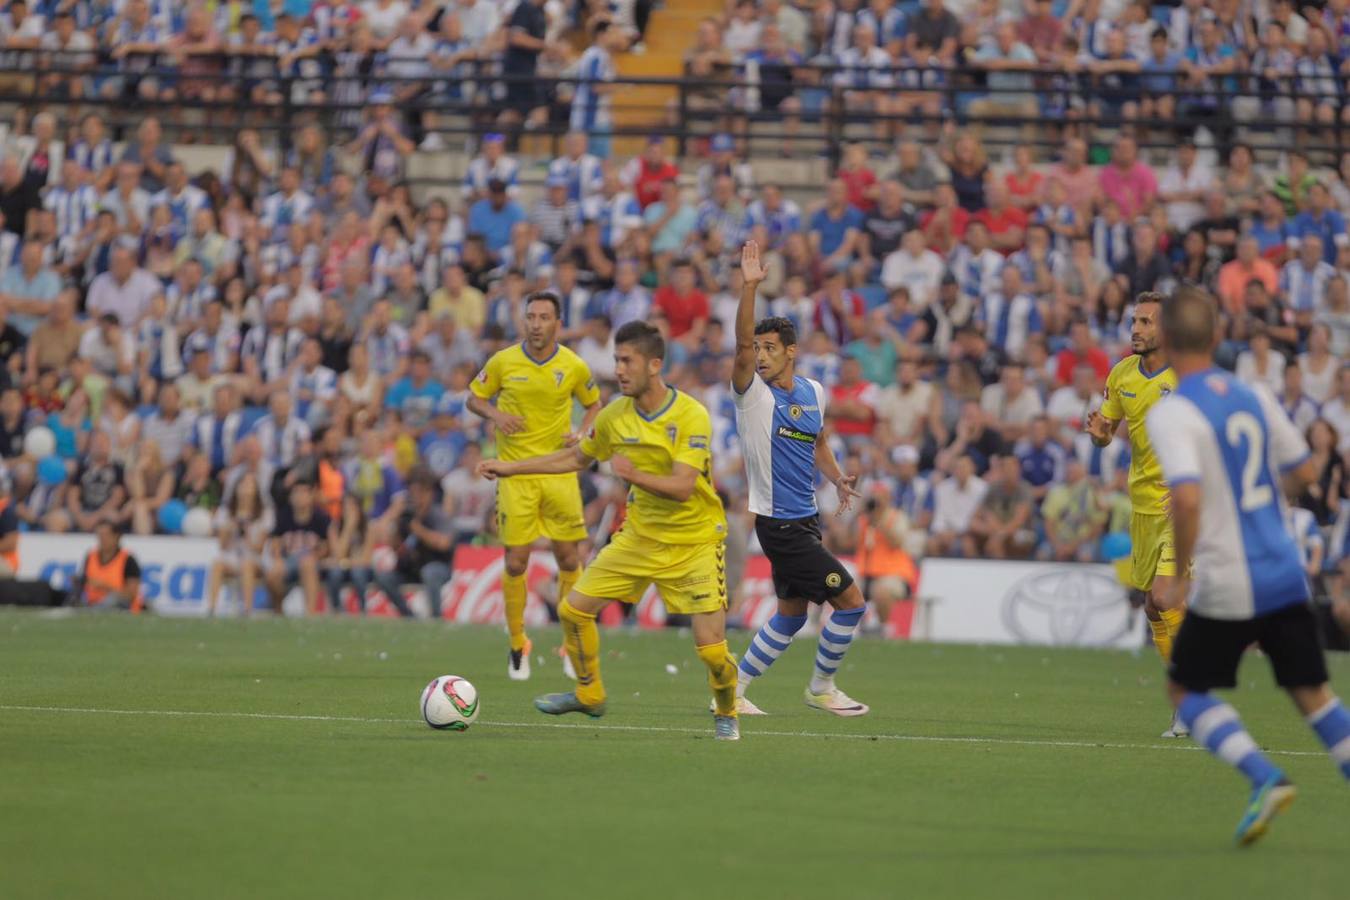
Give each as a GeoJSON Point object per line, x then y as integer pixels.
{"type": "Point", "coordinates": [795, 411]}
{"type": "Point", "coordinates": [558, 377]}
{"type": "Point", "coordinates": [671, 431]}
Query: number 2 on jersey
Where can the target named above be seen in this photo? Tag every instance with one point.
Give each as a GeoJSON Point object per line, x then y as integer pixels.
{"type": "Point", "coordinates": [1242, 428]}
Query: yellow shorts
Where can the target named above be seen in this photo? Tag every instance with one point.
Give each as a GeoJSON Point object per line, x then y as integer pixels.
{"type": "Point", "coordinates": [1151, 551]}
{"type": "Point", "coordinates": [531, 506]}
{"type": "Point", "coordinates": [692, 578]}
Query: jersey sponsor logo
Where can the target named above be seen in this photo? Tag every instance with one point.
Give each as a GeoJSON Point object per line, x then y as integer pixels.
{"type": "Point", "coordinates": [517, 378]}
{"type": "Point", "coordinates": [793, 434]}
{"type": "Point", "coordinates": [1129, 394]}
{"type": "Point", "coordinates": [628, 440]}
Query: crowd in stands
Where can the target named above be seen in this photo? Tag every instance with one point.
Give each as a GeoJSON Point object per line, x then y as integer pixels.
{"type": "Point", "coordinates": [286, 341]}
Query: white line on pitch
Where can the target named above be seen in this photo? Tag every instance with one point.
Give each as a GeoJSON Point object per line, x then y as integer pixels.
{"type": "Point", "coordinates": [647, 729]}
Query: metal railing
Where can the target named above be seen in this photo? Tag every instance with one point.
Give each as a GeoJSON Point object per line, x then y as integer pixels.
{"type": "Point", "coordinates": [832, 102]}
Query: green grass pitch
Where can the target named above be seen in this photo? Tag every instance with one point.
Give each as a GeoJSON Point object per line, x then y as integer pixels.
{"type": "Point", "coordinates": [302, 770]}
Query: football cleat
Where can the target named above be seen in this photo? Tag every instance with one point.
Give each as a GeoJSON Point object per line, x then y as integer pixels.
{"type": "Point", "coordinates": [1178, 728]}
{"type": "Point", "coordinates": [726, 728]}
{"type": "Point", "coordinates": [1268, 801]}
{"type": "Point", "coordinates": [518, 663]}
{"type": "Point", "coordinates": [837, 702]}
{"type": "Point", "coordinates": [743, 707]}
{"type": "Point", "coordinates": [559, 704]}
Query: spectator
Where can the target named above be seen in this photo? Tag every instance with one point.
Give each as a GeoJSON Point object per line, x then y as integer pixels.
{"type": "Point", "coordinates": [1324, 495]}
{"type": "Point", "coordinates": [1074, 517]}
{"type": "Point", "coordinates": [97, 493]}
{"type": "Point", "coordinates": [125, 290]}
{"type": "Point", "coordinates": [1260, 363]}
{"type": "Point", "coordinates": [853, 405]}
{"type": "Point", "coordinates": [1318, 364]}
{"type": "Point", "coordinates": [1127, 181]}
{"type": "Point", "coordinates": [1301, 409]}
{"type": "Point", "coordinates": [903, 408]}
{"type": "Point", "coordinates": [884, 539]}
{"type": "Point", "coordinates": [1042, 460]}
{"type": "Point", "coordinates": [110, 578]}
{"type": "Point", "coordinates": [1249, 265]}
{"type": "Point", "coordinates": [425, 542]}
{"type": "Point", "coordinates": [494, 216]}
{"type": "Point", "coordinates": [301, 541]}
{"type": "Point", "coordinates": [168, 428]}
{"type": "Point", "coordinates": [684, 305]}
{"type": "Point", "coordinates": [1000, 526]}
{"type": "Point", "coordinates": [1007, 63]}
{"type": "Point", "coordinates": [835, 228]}
{"type": "Point", "coordinates": [915, 268]}
{"type": "Point", "coordinates": [955, 502]}
{"type": "Point", "coordinates": [1011, 404]}
{"type": "Point", "coordinates": [243, 525]}
{"type": "Point", "coordinates": [351, 561]}
{"type": "Point", "coordinates": [1083, 350]}
{"type": "Point", "coordinates": [29, 288]}
{"type": "Point", "coordinates": [1321, 220]}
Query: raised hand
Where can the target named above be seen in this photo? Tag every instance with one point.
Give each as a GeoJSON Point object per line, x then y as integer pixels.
{"type": "Point", "coordinates": [752, 270]}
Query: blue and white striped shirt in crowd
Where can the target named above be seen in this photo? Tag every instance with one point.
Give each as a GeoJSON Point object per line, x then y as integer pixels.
{"type": "Point", "coordinates": [617, 215]}
{"type": "Point", "coordinates": [280, 211]}
{"type": "Point", "coordinates": [537, 262]}
{"type": "Point", "coordinates": [1009, 322]}
{"type": "Point", "coordinates": [1051, 216]}
{"type": "Point", "coordinates": [383, 261]}
{"type": "Point", "coordinates": [731, 221]}
{"type": "Point", "coordinates": [1304, 289]}
{"type": "Point", "coordinates": [387, 350]}
{"type": "Point", "coordinates": [281, 441]}
{"type": "Point", "coordinates": [75, 209]}
{"type": "Point", "coordinates": [779, 223]}
{"type": "Point", "coordinates": [585, 176]}
{"type": "Point", "coordinates": [272, 352]}
{"type": "Point", "coordinates": [188, 305]}
{"type": "Point", "coordinates": [92, 157]}
{"type": "Point", "coordinates": [216, 437]}
{"type": "Point", "coordinates": [977, 274]}
{"type": "Point", "coordinates": [479, 173]}
{"type": "Point", "coordinates": [320, 384]}
{"type": "Point", "coordinates": [183, 205]}
{"type": "Point", "coordinates": [859, 71]}
{"type": "Point", "coordinates": [1023, 262]}
{"type": "Point", "coordinates": [1110, 243]}
{"type": "Point", "coordinates": [591, 109]}
{"type": "Point", "coordinates": [224, 347]}
{"type": "Point", "coordinates": [890, 26]}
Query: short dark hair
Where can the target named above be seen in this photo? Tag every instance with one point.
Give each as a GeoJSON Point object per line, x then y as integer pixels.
{"type": "Point", "coordinates": [786, 331]}
{"type": "Point", "coordinates": [1190, 320]}
{"type": "Point", "coordinates": [646, 339]}
{"type": "Point", "coordinates": [546, 297]}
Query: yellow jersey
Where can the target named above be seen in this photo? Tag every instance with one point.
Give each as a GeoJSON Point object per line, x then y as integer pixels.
{"type": "Point", "coordinates": [1130, 393]}
{"type": "Point", "coordinates": [681, 431]}
{"type": "Point", "coordinates": [540, 391]}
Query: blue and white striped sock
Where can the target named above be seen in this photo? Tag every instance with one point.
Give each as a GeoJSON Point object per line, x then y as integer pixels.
{"type": "Point", "coordinates": [1216, 727]}
{"type": "Point", "coordinates": [765, 647]}
{"type": "Point", "coordinates": [835, 636]}
{"type": "Point", "coordinates": [1332, 724]}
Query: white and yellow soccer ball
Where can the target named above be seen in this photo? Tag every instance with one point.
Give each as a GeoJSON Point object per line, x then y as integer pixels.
{"type": "Point", "coordinates": [450, 703]}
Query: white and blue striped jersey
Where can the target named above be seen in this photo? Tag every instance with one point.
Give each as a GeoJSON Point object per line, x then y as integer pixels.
{"type": "Point", "coordinates": [617, 216]}
{"type": "Point", "coordinates": [75, 208]}
{"type": "Point", "coordinates": [585, 175]}
{"type": "Point", "coordinates": [778, 431]}
{"type": "Point", "coordinates": [1305, 290]}
{"type": "Point", "coordinates": [591, 109]}
{"type": "Point", "coordinates": [1234, 442]}
{"type": "Point", "coordinates": [1008, 322]}
{"type": "Point", "coordinates": [479, 173]}
{"type": "Point", "coordinates": [184, 205]}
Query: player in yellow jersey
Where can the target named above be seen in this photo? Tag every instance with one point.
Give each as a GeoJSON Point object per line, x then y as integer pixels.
{"type": "Point", "coordinates": [534, 384]}
{"type": "Point", "coordinates": [658, 440]}
{"type": "Point", "coordinates": [1134, 385]}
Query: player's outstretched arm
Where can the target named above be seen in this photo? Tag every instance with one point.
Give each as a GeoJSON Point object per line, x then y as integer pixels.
{"type": "Point", "coordinates": [678, 485]}
{"type": "Point", "coordinates": [561, 463]}
{"type": "Point", "coordinates": [1100, 428]}
{"type": "Point", "coordinates": [752, 273]}
{"type": "Point", "coordinates": [829, 467]}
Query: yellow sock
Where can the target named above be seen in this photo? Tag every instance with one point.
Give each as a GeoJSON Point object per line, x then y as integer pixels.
{"type": "Point", "coordinates": [721, 675]}
{"type": "Point", "coordinates": [1162, 638]}
{"type": "Point", "coordinates": [567, 579]}
{"type": "Point", "coordinates": [582, 639]}
{"type": "Point", "coordinates": [1172, 618]}
{"type": "Point", "coordinates": [514, 595]}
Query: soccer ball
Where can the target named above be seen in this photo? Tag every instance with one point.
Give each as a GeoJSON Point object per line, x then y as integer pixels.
{"type": "Point", "coordinates": [450, 702]}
